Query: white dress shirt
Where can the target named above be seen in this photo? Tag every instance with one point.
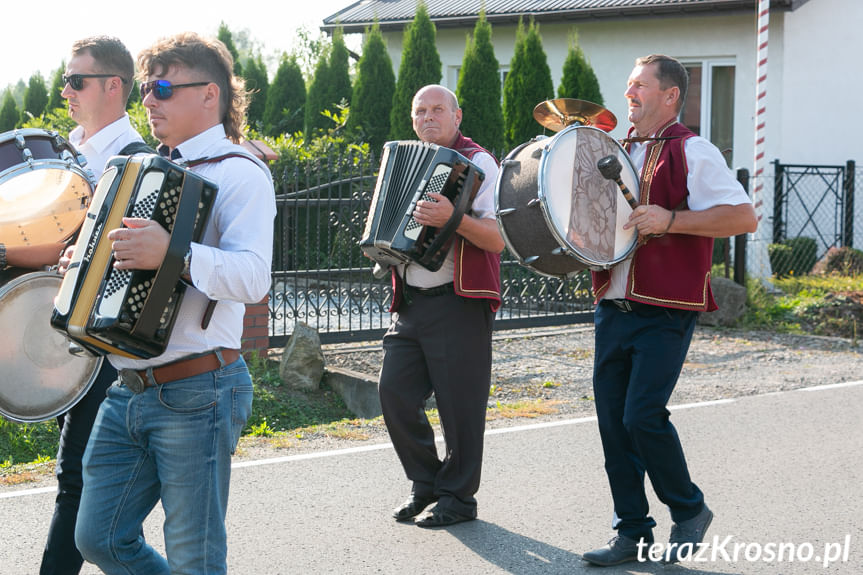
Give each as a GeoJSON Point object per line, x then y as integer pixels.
{"type": "Point", "coordinates": [232, 263]}
{"type": "Point", "coordinates": [105, 143]}
{"type": "Point", "coordinates": [710, 183]}
{"type": "Point", "coordinates": [482, 207]}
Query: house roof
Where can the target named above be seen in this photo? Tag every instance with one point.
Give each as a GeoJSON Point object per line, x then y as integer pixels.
{"type": "Point", "coordinates": [396, 14]}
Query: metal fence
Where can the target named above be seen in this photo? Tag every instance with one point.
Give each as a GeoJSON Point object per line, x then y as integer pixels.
{"type": "Point", "coordinates": [321, 278]}
{"type": "Point", "coordinates": [814, 210]}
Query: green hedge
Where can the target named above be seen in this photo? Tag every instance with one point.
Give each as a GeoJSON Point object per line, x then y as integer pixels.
{"type": "Point", "coordinates": [794, 256]}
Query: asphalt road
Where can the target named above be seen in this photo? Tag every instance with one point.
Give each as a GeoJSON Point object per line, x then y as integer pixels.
{"type": "Point", "coordinates": [783, 473]}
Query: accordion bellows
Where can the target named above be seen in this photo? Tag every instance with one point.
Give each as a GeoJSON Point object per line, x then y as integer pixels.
{"type": "Point", "coordinates": [409, 171]}
{"type": "Point", "coordinates": [132, 312]}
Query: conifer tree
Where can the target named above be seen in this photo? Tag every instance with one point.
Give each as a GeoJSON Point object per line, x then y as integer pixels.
{"type": "Point", "coordinates": [227, 39]}
{"type": "Point", "coordinates": [35, 98]}
{"type": "Point", "coordinates": [420, 66]}
{"type": "Point", "coordinates": [286, 99]}
{"type": "Point", "coordinates": [479, 89]}
{"type": "Point", "coordinates": [255, 75]}
{"type": "Point", "coordinates": [373, 90]}
{"type": "Point", "coordinates": [578, 80]}
{"type": "Point", "coordinates": [330, 86]}
{"type": "Point", "coordinates": [317, 100]}
{"type": "Point", "coordinates": [55, 100]}
{"type": "Point", "coordinates": [8, 112]}
{"type": "Point", "coordinates": [527, 84]}
{"type": "Point", "coordinates": [339, 88]}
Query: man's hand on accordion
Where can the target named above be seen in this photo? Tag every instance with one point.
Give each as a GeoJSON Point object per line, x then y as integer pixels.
{"type": "Point", "coordinates": [436, 213]}
{"type": "Point", "coordinates": [141, 245]}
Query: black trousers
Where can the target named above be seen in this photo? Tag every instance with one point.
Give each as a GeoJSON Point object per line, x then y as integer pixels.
{"type": "Point", "coordinates": [639, 356]}
{"type": "Point", "coordinates": [441, 345]}
{"type": "Point", "coordinates": [60, 554]}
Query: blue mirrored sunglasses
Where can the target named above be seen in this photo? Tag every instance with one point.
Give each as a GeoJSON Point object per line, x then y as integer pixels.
{"type": "Point", "coordinates": [163, 89]}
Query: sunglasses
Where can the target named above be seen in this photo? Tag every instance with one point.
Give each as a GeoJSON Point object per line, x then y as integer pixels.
{"type": "Point", "coordinates": [163, 89]}
{"type": "Point", "coordinates": [76, 81]}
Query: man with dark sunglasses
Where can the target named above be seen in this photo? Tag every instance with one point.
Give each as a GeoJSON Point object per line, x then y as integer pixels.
{"type": "Point", "coordinates": [168, 428]}
{"type": "Point", "coordinates": [98, 83]}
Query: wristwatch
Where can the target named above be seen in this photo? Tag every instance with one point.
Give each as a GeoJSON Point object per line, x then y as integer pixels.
{"type": "Point", "coordinates": [187, 265]}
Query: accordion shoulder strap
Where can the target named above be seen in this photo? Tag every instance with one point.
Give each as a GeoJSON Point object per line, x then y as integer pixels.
{"type": "Point", "coordinates": [211, 304]}
{"type": "Point", "coordinates": [214, 159]}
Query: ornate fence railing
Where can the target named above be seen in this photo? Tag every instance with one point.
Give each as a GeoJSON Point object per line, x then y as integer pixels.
{"type": "Point", "coordinates": [321, 278]}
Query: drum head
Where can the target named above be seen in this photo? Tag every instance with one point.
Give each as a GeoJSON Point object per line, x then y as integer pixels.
{"type": "Point", "coordinates": [585, 211]}
{"type": "Point", "coordinates": [44, 190]}
{"type": "Point", "coordinates": [40, 378]}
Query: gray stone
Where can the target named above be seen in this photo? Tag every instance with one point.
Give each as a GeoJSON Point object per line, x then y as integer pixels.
{"type": "Point", "coordinates": [731, 299]}
{"type": "Point", "coordinates": [358, 390]}
{"type": "Point", "coordinates": [302, 364]}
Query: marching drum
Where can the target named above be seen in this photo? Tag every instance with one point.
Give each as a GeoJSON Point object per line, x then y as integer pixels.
{"type": "Point", "coordinates": [44, 188]}
{"type": "Point", "coordinates": [40, 378]}
{"type": "Point", "coordinates": [556, 211]}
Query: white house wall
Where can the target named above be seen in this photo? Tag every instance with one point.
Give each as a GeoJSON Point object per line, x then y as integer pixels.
{"type": "Point", "coordinates": [820, 93]}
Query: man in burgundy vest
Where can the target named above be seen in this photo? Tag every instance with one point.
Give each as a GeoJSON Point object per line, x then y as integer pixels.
{"type": "Point", "coordinates": [646, 312]}
{"type": "Point", "coordinates": [440, 338]}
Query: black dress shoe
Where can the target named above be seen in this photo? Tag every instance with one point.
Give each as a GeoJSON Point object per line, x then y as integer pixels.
{"type": "Point", "coordinates": [686, 535]}
{"type": "Point", "coordinates": [439, 517]}
{"type": "Point", "coordinates": [412, 507]}
{"type": "Point", "coordinates": [621, 549]}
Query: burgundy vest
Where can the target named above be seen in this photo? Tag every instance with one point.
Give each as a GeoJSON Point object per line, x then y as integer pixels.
{"type": "Point", "coordinates": [477, 272]}
{"type": "Point", "coordinates": [672, 270]}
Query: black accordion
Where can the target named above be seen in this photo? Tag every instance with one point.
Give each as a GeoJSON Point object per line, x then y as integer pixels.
{"type": "Point", "coordinates": [409, 171]}
{"type": "Point", "coordinates": [132, 312]}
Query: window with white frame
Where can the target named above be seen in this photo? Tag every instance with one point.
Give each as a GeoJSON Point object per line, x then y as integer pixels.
{"type": "Point", "coordinates": [709, 107]}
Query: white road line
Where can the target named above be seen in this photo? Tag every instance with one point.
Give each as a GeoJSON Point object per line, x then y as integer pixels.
{"type": "Point", "coordinates": [499, 431]}
{"type": "Point", "coordinates": [831, 386]}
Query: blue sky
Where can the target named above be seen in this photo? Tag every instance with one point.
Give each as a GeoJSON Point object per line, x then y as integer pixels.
{"type": "Point", "coordinates": [39, 41]}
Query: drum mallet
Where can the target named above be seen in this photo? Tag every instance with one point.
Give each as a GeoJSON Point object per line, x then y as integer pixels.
{"type": "Point", "coordinates": [610, 167]}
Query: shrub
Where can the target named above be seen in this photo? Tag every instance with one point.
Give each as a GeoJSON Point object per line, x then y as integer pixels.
{"type": "Point", "coordinates": [845, 261]}
{"type": "Point", "coordinates": [780, 259]}
{"type": "Point", "coordinates": [794, 256]}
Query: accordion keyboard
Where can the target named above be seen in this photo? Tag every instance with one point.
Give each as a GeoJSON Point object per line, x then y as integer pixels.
{"type": "Point", "coordinates": [122, 298]}
{"type": "Point", "coordinates": [435, 184]}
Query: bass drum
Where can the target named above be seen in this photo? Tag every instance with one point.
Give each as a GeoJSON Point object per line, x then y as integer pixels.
{"type": "Point", "coordinates": [558, 215]}
{"type": "Point", "coordinates": [44, 188]}
{"type": "Point", "coordinates": [40, 378]}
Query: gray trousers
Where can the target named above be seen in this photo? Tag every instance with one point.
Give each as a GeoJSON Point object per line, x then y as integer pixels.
{"type": "Point", "coordinates": [441, 345]}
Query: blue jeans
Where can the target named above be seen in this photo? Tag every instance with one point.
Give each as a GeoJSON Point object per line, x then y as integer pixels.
{"type": "Point", "coordinates": [172, 442]}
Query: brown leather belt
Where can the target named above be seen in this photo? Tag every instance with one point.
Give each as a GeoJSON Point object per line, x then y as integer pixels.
{"type": "Point", "coordinates": [139, 380]}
